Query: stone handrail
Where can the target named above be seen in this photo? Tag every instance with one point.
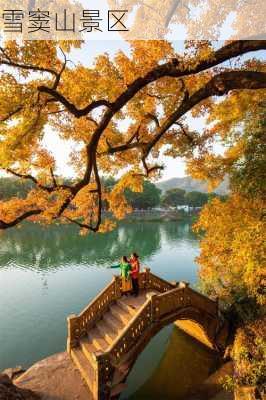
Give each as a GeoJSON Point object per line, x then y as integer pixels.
{"type": "Point", "coordinates": [150, 311]}
{"type": "Point", "coordinates": [172, 296]}
{"type": "Point", "coordinates": [167, 303]}
{"type": "Point", "coordinates": [157, 283]}
{"type": "Point", "coordinates": [203, 302]}
{"type": "Point", "coordinates": [78, 325]}
{"type": "Point", "coordinates": [131, 333]}
{"type": "Point", "coordinates": [143, 319]}
{"type": "Point", "coordinates": [156, 308]}
{"type": "Point", "coordinates": [181, 297]}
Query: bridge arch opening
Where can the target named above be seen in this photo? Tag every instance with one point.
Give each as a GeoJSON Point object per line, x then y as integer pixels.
{"type": "Point", "coordinates": [146, 362]}
{"type": "Point", "coordinates": [195, 330]}
{"type": "Point", "coordinates": [178, 366]}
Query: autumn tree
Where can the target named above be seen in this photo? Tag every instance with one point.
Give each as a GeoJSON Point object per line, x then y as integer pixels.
{"type": "Point", "coordinates": [147, 199]}
{"type": "Point", "coordinates": [232, 259]}
{"type": "Point", "coordinates": [152, 89]}
{"type": "Point", "coordinates": [233, 254]}
{"type": "Point", "coordinates": [14, 187]}
{"type": "Point", "coordinates": [196, 199]}
{"type": "Point", "coordinates": [174, 197]}
{"type": "Point", "coordinates": [201, 19]}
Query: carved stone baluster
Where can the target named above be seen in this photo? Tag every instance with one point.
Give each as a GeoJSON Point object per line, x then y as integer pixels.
{"type": "Point", "coordinates": [183, 285]}
{"type": "Point", "coordinates": [155, 307]}
{"type": "Point", "coordinates": [147, 278]}
{"type": "Point", "coordinates": [72, 325]}
{"type": "Point", "coordinates": [118, 292]}
{"type": "Point", "coordinates": [103, 376]}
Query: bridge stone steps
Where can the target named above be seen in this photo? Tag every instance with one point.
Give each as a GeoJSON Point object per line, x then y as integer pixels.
{"type": "Point", "coordinates": [129, 308]}
{"type": "Point", "coordinates": [85, 367]}
{"type": "Point", "coordinates": [120, 314]}
{"type": "Point", "coordinates": [88, 348]}
{"type": "Point", "coordinates": [107, 331]}
{"type": "Point", "coordinates": [113, 322]}
{"type": "Point", "coordinates": [102, 336]}
{"type": "Point", "coordinates": [98, 340]}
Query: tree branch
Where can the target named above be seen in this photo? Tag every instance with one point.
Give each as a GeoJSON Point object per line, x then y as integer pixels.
{"type": "Point", "coordinates": [126, 146]}
{"type": "Point", "coordinates": [171, 12]}
{"type": "Point", "coordinates": [58, 77]}
{"type": "Point", "coordinates": [16, 221]}
{"type": "Point", "coordinates": [11, 114]}
{"type": "Point", "coordinates": [92, 120]}
{"type": "Point", "coordinates": [28, 177]}
{"type": "Point", "coordinates": [53, 177]}
{"type": "Point", "coordinates": [70, 106]}
{"type": "Point", "coordinates": [35, 181]}
{"type": "Point", "coordinates": [8, 61]}
{"type": "Point", "coordinates": [170, 69]}
{"type": "Point", "coordinates": [153, 118]}
{"type": "Point", "coordinates": [98, 191]}
{"type": "Point", "coordinates": [219, 85]}
{"type": "Point", "coordinates": [149, 170]}
{"type": "Point", "coordinates": [185, 133]}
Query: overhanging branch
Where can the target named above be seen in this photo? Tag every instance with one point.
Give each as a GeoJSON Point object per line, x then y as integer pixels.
{"type": "Point", "coordinates": [18, 220]}
{"type": "Point", "coordinates": [219, 85]}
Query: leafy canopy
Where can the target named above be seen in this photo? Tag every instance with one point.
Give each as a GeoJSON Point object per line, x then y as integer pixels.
{"type": "Point", "coordinates": [232, 259]}
{"type": "Point", "coordinates": [147, 199]}
{"type": "Point", "coordinates": [121, 114]}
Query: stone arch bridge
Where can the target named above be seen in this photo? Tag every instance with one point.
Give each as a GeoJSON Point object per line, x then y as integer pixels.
{"type": "Point", "coordinates": [105, 339]}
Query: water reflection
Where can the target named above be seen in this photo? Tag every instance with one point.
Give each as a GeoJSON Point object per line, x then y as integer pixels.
{"type": "Point", "coordinates": [52, 247]}
{"type": "Point", "coordinates": [49, 248]}
{"type": "Point", "coordinates": [49, 273]}
{"type": "Point", "coordinates": [173, 232]}
{"type": "Point", "coordinates": [184, 365]}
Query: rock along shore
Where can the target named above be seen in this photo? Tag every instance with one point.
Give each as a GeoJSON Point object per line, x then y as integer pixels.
{"type": "Point", "coordinates": [53, 378]}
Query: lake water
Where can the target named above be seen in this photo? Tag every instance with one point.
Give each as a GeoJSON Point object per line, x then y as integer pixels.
{"type": "Point", "coordinates": [47, 273]}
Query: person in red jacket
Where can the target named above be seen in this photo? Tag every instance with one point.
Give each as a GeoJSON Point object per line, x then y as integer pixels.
{"type": "Point", "coordinates": [135, 268]}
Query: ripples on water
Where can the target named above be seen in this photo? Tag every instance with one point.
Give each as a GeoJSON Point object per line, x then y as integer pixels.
{"type": "Point", "coordinates": [47, 273]}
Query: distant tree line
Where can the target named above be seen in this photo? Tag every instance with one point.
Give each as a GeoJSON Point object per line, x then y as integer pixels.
{"type": "Point", "coordinates": [151, 196]}
{"type": "Point", "coordinates": [179, 197]}
{"type": "Point", "coordinates": [13, 187]}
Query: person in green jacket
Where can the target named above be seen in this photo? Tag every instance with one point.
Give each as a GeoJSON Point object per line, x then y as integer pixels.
{"type": "Point", "coordinates": [125, 268]}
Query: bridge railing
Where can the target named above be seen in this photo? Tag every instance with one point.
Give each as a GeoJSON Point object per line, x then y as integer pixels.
{"type": "Point", "coordinates": [130, 336]}
{"type": "Point", "coordinates": [78, 325]}
{"type": "Point", "coordinates": [203, 302]}
{"type": "Point", "coordinates": [181, 297]}
{"type": "Point", "coordinates": [166, 303]}
{"type": "Point", "coordinates": [154, 282]}
{"type": "Point", "coordinates": [171, 297]}
{"type": "Point", "coordinates": [155, 308]}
